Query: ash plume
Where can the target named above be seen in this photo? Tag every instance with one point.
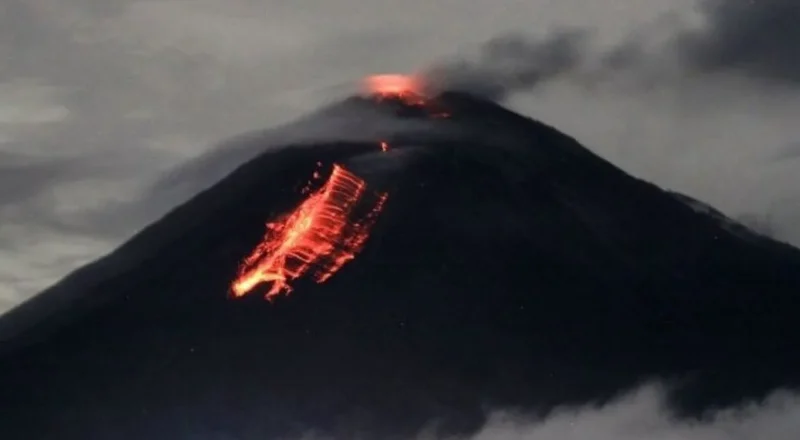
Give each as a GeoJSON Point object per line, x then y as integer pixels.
{"type": "Point", "coordinates": [511, 63]}
{"type": "Point", "coordinates": [754, 39]}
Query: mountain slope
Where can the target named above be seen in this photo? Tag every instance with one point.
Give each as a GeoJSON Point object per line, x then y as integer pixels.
{"type": "Point", "coordinates": [511, 267]}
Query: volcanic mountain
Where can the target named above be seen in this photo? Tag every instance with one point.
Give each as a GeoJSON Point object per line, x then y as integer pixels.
{"type": "Point", "coordinates": [507, 267]}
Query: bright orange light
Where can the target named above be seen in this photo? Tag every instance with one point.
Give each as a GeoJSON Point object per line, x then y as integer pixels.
{"type": "Point", "coordinates": [317, 238]}
{"type": "Point", "coordinates": [407, 88]}
{"type": "Point", "coordinates": [393, 84]}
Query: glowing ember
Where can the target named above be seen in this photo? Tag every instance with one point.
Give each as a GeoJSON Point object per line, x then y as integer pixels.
{"type": "Point", "coordinates": [408, 89]}
{"type": "Point", "coordinates": [317, 238]}
{"type": "Point", "coordinates": [393, 86]}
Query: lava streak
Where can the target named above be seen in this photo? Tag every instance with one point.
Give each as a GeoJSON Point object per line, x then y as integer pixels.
{"type": "Point", "coordinates": [317, 238]}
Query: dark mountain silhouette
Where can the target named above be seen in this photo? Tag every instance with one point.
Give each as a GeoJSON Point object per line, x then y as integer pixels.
{"type": "Point", "coordinates": [511, 268]}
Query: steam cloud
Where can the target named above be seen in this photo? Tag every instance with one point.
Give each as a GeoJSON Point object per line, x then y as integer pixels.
{"type": "Point", "coordinates": [757, 39]}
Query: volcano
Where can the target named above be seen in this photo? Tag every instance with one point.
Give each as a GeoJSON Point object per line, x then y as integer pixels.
{"type": "Point", "coordinates": [507, 267]}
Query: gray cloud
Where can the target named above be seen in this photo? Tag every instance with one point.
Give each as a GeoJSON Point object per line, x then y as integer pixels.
{"type": "Point", "coordinates": [789, 152]}
{"type": "Point", "coordinates": [511, 63]}
{"type": "Point", "coordinates": [756, 38]}
{"type": "Point", "coordinates": [641, 415]}
{"type": "Point", "coordinates": [22, 177]}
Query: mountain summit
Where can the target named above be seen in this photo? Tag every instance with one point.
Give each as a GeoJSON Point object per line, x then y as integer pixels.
{"type": "Point", "coordinates": [507, 267]}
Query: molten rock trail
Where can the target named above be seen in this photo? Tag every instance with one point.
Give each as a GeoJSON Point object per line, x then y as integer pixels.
{"type": "Point", "coordinates": [322, 234]}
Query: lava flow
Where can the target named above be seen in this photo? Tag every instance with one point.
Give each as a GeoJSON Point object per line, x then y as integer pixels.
{"type": "Point", "coordinates": [317, 238]}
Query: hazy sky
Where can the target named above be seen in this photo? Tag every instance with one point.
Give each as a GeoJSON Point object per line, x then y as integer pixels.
{"type": "Point", "coordinates": [99, 97]}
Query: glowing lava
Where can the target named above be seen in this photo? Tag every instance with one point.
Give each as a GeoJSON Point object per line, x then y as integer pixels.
{"type": "Point", "coordinates": [317, 238]}
{"type": "Point", "coordinates": [407, 88]}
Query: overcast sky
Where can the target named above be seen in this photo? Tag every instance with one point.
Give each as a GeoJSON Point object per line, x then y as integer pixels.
{"type": "Point", "coordinates": [99, 97]}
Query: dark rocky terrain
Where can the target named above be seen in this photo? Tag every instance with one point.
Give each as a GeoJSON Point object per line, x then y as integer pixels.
{"type": "Point", "coordinates": [511, 267]}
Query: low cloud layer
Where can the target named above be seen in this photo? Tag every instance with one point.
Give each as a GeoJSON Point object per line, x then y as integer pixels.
{"type": "Point", "coordinates": [639, 415]}
{"type": "Point", "coordinates": [642, 416]}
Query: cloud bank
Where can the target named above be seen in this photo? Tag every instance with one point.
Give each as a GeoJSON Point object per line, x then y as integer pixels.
{"type": "Point", "coordinates": [638, 415]}
{"type": "Point", "coordinates": [642, 416]}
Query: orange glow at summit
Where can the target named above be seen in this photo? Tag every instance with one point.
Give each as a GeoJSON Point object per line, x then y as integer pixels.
{"type": "Point", "coordinates": [320, 236]}
{"type": "Point", "coordinates": [405, 87]}
{"type": "Point", "coordinates": [408, 89]}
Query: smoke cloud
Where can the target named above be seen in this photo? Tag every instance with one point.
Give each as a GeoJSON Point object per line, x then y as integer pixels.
{"type": "Point", "coordinates": [754, 38]}
{"type": "Point", "coordinates": [757, 40]}
{"type": "Point", "coordinates": [511, 63]}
